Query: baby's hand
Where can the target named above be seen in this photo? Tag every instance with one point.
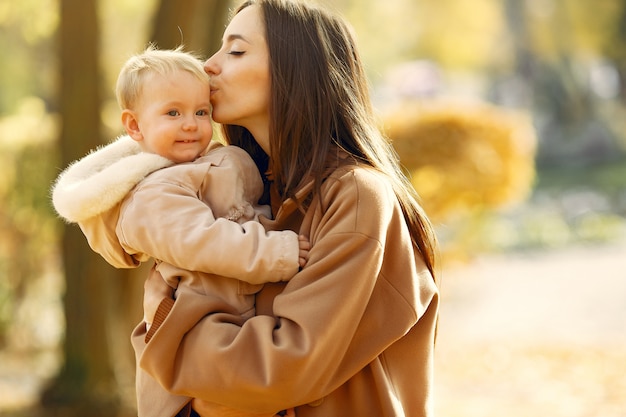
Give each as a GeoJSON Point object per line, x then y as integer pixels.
{"type": "Point", "coordinates": [305, 245]}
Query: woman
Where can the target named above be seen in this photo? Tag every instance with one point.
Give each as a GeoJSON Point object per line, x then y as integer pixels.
{"type": "Point", "coordinates": [353, 333]}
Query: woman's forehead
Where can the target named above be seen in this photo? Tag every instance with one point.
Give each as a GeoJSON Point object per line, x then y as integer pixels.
{"type": "Point", "coordinates": [246, 25]}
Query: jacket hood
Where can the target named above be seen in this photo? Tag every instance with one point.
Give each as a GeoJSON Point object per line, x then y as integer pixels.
{"type": "Point", "coordinates": [100, 180]}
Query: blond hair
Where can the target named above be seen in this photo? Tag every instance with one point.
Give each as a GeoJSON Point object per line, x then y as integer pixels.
{"type": "Point", "coordinates": [163, 62]}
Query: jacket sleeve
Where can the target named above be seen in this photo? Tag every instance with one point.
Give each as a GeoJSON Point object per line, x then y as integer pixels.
{"type": "Point", "coordinates": [89, 192]}
{"type": "Point", "coordinates": [331, 320]}
{"type": "Point", "coordinates": [169, 222]}
{"type": "Point", "coordinates": [99, 181]}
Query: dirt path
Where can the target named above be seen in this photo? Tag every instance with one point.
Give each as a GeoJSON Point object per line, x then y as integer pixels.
{"type": "Point", "coordinates": [541, 334]}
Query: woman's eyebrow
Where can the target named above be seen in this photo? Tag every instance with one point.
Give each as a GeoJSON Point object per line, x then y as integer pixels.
{"type": "Point", "coordinates": [235, 36]}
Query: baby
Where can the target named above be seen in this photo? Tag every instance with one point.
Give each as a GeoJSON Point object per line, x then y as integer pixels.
{"type": "Point", "coordinates": [157, 191]}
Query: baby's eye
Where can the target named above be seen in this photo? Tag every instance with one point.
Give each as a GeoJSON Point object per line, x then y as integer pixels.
{"type": "Point", "coordinates": [202, 113]}
{"type": "Point", "coordinates": [173, 113]}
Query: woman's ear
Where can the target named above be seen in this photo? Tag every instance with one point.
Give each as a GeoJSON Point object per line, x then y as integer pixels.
{"type": "Point", "coordinates": [131, 124]}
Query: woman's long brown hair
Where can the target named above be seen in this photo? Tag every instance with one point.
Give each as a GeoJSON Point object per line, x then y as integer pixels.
{"type": "Point", "coordinates": [320, 102]}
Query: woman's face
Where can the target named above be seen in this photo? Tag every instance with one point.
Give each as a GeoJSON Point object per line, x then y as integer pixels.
{"type": "Point", "coordinates": [240, 76]}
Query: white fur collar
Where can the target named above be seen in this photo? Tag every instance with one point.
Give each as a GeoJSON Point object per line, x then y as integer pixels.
{"type": "Point", "coordinates": [100, 180]}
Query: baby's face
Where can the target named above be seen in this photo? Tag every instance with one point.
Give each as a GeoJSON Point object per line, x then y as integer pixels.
{"type": "Point", "coordinates": [174, 116]}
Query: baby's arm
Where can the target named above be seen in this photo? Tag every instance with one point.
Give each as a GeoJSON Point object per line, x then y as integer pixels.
{"type": "Point", "coordinates": [170, 223]}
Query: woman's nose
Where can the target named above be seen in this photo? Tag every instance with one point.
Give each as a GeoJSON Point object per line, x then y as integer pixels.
{"type": "Point", "coordinates": [210, 65]}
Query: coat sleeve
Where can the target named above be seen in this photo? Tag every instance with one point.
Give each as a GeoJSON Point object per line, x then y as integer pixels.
{"type": "Point", "coordinates": [168, 221]}
{"type": "Point", "coordinates": [330, 321]}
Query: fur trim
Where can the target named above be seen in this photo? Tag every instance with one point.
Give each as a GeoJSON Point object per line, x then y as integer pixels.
{"type": "Point", "coordinates": [100, 180]}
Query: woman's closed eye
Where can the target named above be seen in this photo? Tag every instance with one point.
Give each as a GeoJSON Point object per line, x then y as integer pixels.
{"type": "Point", "coordinates": [236, 53]}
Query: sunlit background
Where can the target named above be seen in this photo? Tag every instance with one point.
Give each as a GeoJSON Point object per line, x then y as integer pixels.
{"type": "Point", "coordinates": [510, 118]}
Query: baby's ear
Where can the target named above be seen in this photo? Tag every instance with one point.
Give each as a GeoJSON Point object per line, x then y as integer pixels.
{"type": "Point", "coordinates": [131, 124]}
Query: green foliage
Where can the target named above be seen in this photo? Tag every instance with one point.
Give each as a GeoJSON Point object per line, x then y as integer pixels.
{"type": "Point", "coordinates": [608, 179]}
{"type": "Point", "coordinates": [28, 227]}
{"type": "Point", "coordinates": [583, 27]}
{"type": "Point", "coordinates": [26, 40]}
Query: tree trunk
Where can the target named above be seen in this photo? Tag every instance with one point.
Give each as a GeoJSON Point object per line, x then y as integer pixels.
{"type": "Point", "coordinates": [86, 383]}
{"type": "Point", "coordinates": [618, 53]}
{"type": "Point", "coordinates": [525, 63]}
{"type": "Point", "coordinates": [197, 24]}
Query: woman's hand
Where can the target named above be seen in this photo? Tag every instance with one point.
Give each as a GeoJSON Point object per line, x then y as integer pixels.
{"type": "Point", "coordinates": [155, 290]}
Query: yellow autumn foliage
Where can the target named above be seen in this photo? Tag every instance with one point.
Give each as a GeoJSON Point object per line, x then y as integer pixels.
{"type": "Point", "coordinates": [464, 157]}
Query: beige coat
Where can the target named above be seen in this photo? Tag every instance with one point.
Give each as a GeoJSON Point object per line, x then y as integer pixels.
{"type": "Point", "coordinates": [133, 205]}
{"type": "Point", "coordinates": [352, 334]}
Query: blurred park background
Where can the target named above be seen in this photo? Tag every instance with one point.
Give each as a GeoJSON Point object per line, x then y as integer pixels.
{"type": "Point", "coordinates": [509, 115]}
